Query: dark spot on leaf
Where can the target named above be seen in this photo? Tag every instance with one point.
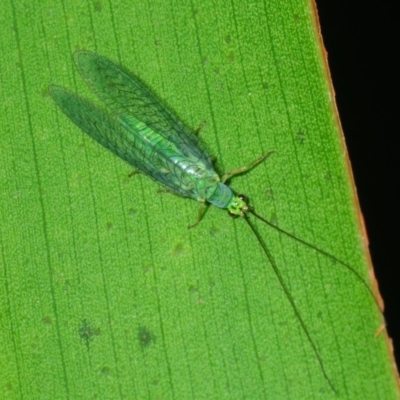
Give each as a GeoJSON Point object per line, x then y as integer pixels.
{"type": "Point", "coordinates": [87, 332]}
{"type": "Point", "coordinates": [146, 337]}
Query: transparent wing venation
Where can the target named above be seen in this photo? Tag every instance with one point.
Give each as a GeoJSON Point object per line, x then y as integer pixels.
{"type": "Point", "coordinates": [124, 94]}
{"type": "Point", "coordinates": [123, 142]}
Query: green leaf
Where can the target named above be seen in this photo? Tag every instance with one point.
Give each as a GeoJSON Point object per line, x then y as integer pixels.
{"type": "Point", "coordinates": [104, 292]}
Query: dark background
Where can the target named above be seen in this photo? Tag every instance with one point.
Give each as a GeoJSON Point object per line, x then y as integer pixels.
{"type": "Point", "coordinates": [363, 57]}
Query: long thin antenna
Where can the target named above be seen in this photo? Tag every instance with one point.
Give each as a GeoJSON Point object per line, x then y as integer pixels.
{"type": "Point", "coordinates": [289, 297]}
{"type": "Point", "coordinates": [315, 248]}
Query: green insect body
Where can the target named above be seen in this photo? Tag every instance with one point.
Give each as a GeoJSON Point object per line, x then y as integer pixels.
{"type": "Point", "coordinates": [146, 134]}
{"type": "Point", "coordinates": [143, 132]}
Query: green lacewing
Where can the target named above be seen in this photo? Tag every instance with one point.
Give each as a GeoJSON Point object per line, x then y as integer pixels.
{"type": "Point", "coordinates": [147, 135]}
